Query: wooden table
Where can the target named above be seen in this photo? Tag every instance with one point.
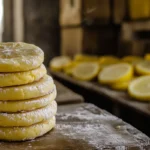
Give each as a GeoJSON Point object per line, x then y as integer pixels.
{"type": "Point", "coordinates": [66, 96]}
{"type": "Point", "coordinates": [85, 127]}
{"type": "Point", "coordinates": [117, 102]}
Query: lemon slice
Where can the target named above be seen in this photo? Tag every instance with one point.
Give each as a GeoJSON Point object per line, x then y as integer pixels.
{"type": "Point", "coordinates": [116, 73]}
{"type": "Point", "coordinates": [19, 78]}
{"type": "Point", "coordinates": [143, 68]}
{"type": "Point", "coordinates": [60, 62]}
{"type": "Point", "coordinates": [16, 57]}
{"type": "Point", "coordinates": [27, 105]}
{"type": "Point", "coordinates": [147, 57]}
{"type": "Point", "coordinates": [68, 69]}
{"type": "Point", "coordinates": [28, 118]}
{"type": "Point", "coordinates": [132, 59]}
{"type": "Point", "coordinates": [83, 57]}
{"type": "Point", "coordinates": [26, 133]}
{"type": "Point", "coordinates": [86, 71]}
{"type": "Point", "coordinates": [108, 60]}
{"type": "Point", "coordinates": [120, 85]}
{"type": "Point", "coordinates": [28, 91]}
{"type": "Point", "coordinates": [140, 88]}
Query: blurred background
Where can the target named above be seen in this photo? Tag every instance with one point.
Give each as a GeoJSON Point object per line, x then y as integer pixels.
{"type": "Point", "coordinates": [119, 27]}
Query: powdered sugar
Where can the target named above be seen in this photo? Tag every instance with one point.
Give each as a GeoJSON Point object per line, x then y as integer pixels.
{"type": "Point", "coordinates": [20, 56]}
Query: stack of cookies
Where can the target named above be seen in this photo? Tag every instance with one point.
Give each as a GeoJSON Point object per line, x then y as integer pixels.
{"type": "Point", "coordinates": [27, 93]}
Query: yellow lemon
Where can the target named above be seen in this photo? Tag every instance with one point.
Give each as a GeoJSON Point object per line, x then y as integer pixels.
{"type": "Point", "coordinates": [17, 57]}
{"type": "Point", "coordinates": [26, 133]}
{"type": "Point", "coordinates": [83, 57]}
{"type": "Point", "coordinates": [27, 105]}
{"type": "Point", "coordinates": [86, 71]}
{"type": "Point", "coordinates": [28, 91]}
{"type": "Point", "coordinates": [116, 73]}
{"type": "Point", "coordinates": [120, 85]}
{"type": "Point", "coordinates": [108, 60]}
{"type": "Point", "coordinates": [59, 63]}
{"type": "Point", "coordinates": [143, 68]}
{"type": "Point", "coordinates": [68, 69]}
{"type": "Point", "coordinates": [132, 59]}
{"type": "Point", "coordinates": [19, 78]}
{"type": "Point", "coordinates": [140, 88]}
{"type": "Point", "coordinates": [147, 56]}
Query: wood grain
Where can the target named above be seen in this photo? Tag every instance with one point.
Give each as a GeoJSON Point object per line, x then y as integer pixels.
{"type": "Point", "coordinates": [41, 26]}
{"type": "Point", "coordinates": [85, 127]}
{"type": "Point", "coordinates": [115, 96]}
{"type": "Point", "coordinates": [77, 12]}
{"type": "Point", "coordinates": [66, 96]}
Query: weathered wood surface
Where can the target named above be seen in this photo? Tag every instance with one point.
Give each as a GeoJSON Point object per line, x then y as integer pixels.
{"type": "Point", "coordinates": [77, 12]}
{"type": "Point", "coordinates": [85, 127]}
{"type": "Point", "coordinates": [91, 40]}
{"type": "Point", "coordinates": [115, 96]}
{"type": "Point", "coordinates": [66, 96]}
{"type": "Point", "coordinates": [41, 26]}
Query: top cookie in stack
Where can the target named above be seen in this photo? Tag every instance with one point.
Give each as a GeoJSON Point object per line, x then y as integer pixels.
{"type": "Point", "coordinates": [27, 93]}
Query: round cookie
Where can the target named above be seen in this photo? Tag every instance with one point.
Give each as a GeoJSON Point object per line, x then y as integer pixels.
{"type": "Point", "coordinates": [20, 78]}
{"type": "Point", "coordinates": [27, 105]}
{"type": "Point", "coordinates": [28, 118]}
{"type": "Point", "coordinates": [26, 133]}
{"type": "Point", "coordinates": [29, 91]}
{"type": "Point", "coordinates": [19, 56]}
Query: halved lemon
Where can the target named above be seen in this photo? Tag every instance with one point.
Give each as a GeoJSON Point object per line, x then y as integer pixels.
{"type": "Point", "coordinates": [68, 69]}
{"type": "Point", "coordinates": [132, 59]}
{"type": "Point", "coordinates": [139, 88]}
{"type": "Point", "coordinates": [59, 62]}
{"type": "Point", "coordinates": [86, 71]}
{"type": "Point", "coordinates": [83, 57]}
{"type": "Point", "coordinates": [108, 60]}
{"type": "Point", "coordinates": [143, 68]}
{"type": "Point", "coordinates": [116, 73]}
{"type": "Point", "coordinates": [147, 56]}
{"type": "Point", "coordinates": [120, 85]}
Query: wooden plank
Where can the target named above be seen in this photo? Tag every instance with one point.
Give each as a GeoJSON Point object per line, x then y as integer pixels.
{"type": "Point", "coordinates": [41, 26]}
{"type": "Point", "coordinates": [86, 127]}
{"type": "Point", "coordinates": [119, 103]}
{"type": "Point", "coordinates": [70, 12]}
{"type": "Point", "coordinates": [8, 21]}
{"type": "Point", "coordinates": [77, 12]}
{"type": "Point", "coordinates": [18, 18]}
{"type": "Point", "coordinates": [71, 41]}
{"type": "Point", "coordinates": [115, 96]}
{"type": "Point", "coordinates": [129, 29]}
{"type": "Point", "coordinates": [96, 11]}
{"type": "Point", "coordinates": [119, 11]}
{"type": "Point", "coordinates": [92, 40]}
{"type": "Point", "coordinates": [66, 96]}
